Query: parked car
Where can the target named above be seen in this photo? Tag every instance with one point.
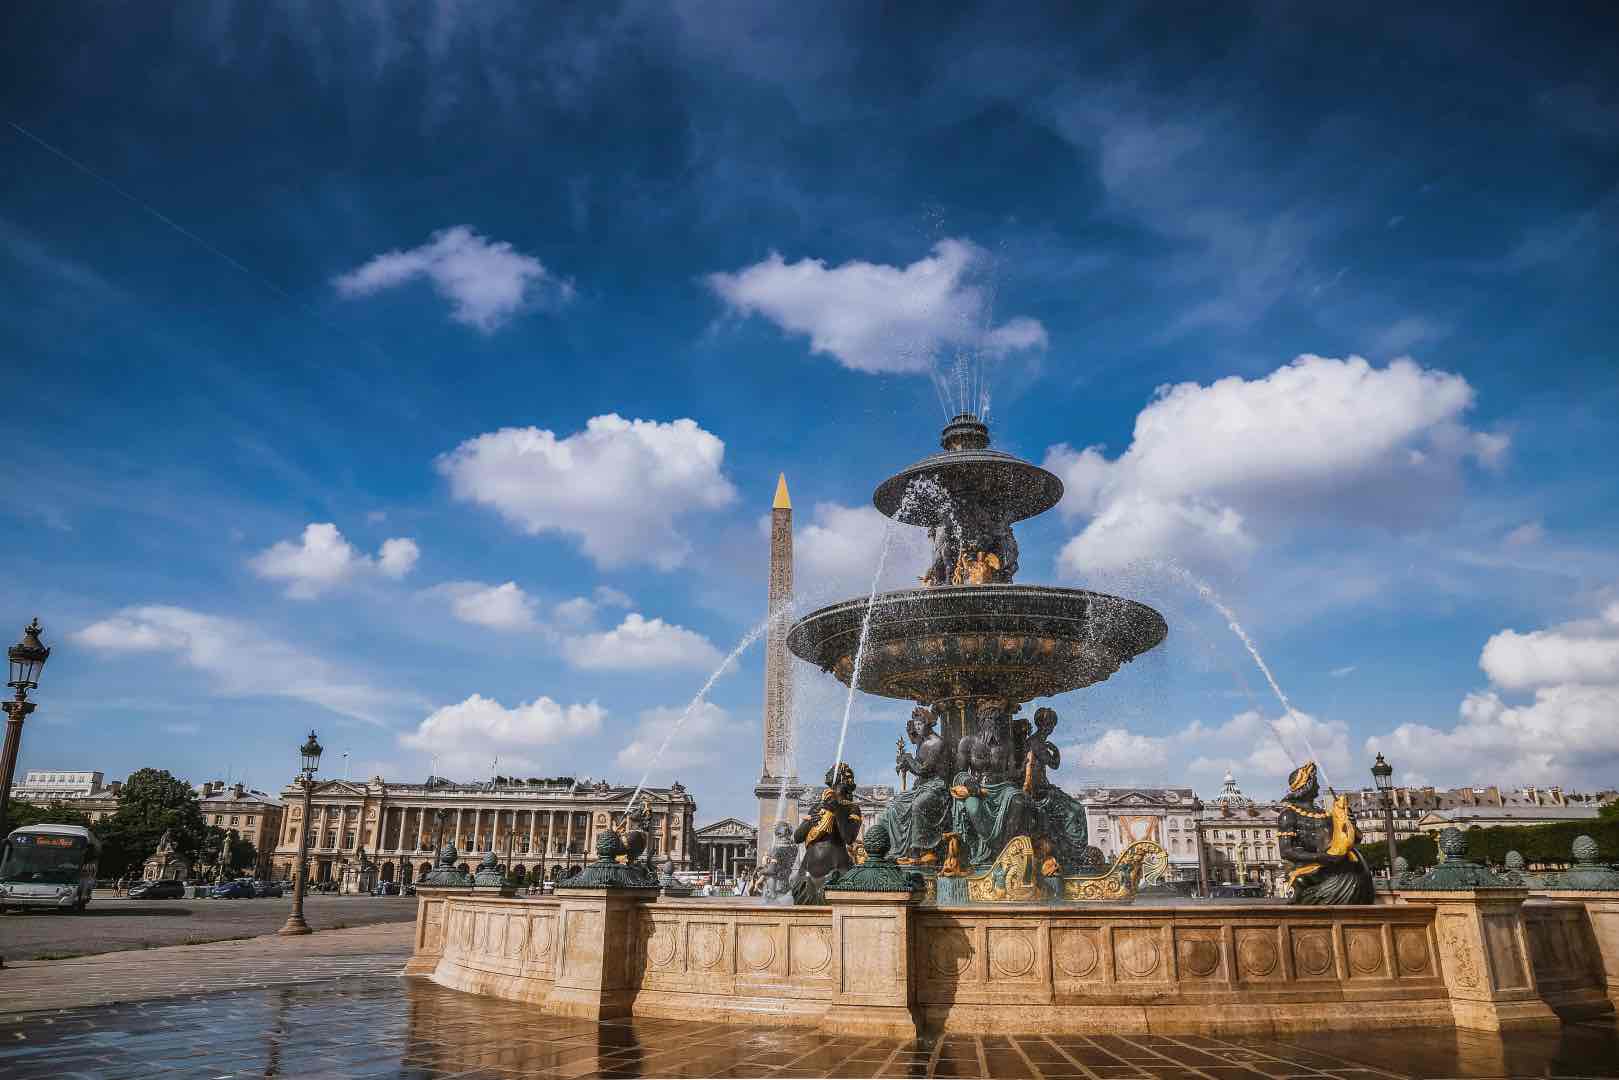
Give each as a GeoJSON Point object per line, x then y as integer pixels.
{"type": "Point", "coordinates": [157, 890]}
{"type": "Point", "coordinates": [232, 890]}
{"type": "Point", "coordinates": [266, 888]}
{"type": "Point", "coordinates": [385, 888]}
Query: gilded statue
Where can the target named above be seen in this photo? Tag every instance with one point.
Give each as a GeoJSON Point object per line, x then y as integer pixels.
{"type": "Point", "coordinates": [827, 834]}
{"type": "Point", "coordinates": [1327, 866]}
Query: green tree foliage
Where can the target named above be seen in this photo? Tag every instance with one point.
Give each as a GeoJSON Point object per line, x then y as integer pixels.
{"type": "Point", "coordinates": [151, 803]}
{"type": "Point", "coordinates": [19, 814]}
{"type": "Point", "coordinates": [1609, 812]}
{"type": "Point", "coordinates": [1542, 844]}
{"type": "Point", "coordinates": [1420, 852]}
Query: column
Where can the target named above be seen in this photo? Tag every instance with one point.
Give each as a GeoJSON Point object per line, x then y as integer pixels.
{"type": "Point", "coordinates": [533, 817]}
{"type": "Point", "coordinates": [567, 833]}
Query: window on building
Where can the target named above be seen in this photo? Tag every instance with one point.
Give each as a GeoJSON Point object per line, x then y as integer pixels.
{"type": "Point", "coordinates": [234, 819]}
{"type": "Point", "coordinates": [219, 819]}
{"type": "Point", "coordinates": [249, 820]}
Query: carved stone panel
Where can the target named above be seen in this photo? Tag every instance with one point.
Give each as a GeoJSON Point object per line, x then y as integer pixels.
{"type": "Point", "coordinates": [809, 950]}
{"type": "Point", "coordinates": [662, 945]}
{"type": "Point", "coordinates": [433, 927]}
{"type": "Point", "coordinates": [581, 941]}
{"type": "Point", "coordinates": [1076, 953]}
{"type": "Point", "coordinates": [1364, 946]}
{"type": "Point", "coordinates": [1411, 951]}
{"type": "Point", "coordinates": [1014, 955]}
{"type": "Point", "coordinates": [870, 963]}
{"type": "Point", "coordinates": [1507, 969]}
{"type": "Point", "coordinates": [1137, 954]}
{"type": "Point", "coordinates": [760, 949]}
{"type": "Point", "coordinates": [542, 931]}
{"type": "Point", "coordinates": [706, 947]}
{"type": "Point", "coordinates": [1454, 940]}
{"type": "Point", "coordinates": [1312, 953]}
{"type": "Point", "coordinates": [951, 953]}
{"type": "Point", "coordinates": [1197, 954]}
{"type": "Point", "coordinates": [1257, 955]}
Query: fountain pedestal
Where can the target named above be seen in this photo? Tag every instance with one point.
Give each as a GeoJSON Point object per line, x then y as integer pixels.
{"type": "Point", "coordinates": [872, 946]}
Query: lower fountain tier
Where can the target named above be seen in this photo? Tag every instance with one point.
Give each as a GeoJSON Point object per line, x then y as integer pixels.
{"type": "Point", "coordinates": [1016, 642]}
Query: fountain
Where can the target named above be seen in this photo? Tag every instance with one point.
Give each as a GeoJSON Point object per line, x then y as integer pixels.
{"type": "Point", "coordinates": [976, 907]}
{"type": "Point", "coordinates": [972, 648]}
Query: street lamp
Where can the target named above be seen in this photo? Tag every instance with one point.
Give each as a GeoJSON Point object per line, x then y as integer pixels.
{"type": "Point", "coordinates": [309, 758]}
{"type": "Point", "coordinates": [27, 657]}
{"type": "Point", "coordinates": [1383, 776]}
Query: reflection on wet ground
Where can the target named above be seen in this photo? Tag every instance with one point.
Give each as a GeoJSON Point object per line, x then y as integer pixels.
{"type": "Point", "coordinates": [387, 1027]}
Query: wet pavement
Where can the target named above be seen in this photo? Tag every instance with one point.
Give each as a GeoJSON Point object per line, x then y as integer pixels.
{"type": "Point", "coordinates": [110, 924]}
{"type": "Point", "coordinates": [393, 1027]}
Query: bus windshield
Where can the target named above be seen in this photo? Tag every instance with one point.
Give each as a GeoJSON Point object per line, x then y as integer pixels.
{"type": "Point", "coordinates": [42, 859]}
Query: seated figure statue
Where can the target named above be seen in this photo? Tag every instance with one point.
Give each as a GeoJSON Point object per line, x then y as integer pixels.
{"type": "Point", "coordinates": [1327, 868]}
{"type": "Point", "coordinates": [1061, 836]}
{"type": "Point", "coordinates": [989, 806]}
{"type": "Point", "coordinates": [917, 819]}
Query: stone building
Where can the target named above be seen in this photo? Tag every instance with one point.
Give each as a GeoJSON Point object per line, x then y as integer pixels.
{"type": "Point", "coordinates": [1237, 842]}
{"type": "Point", "coordinates": [165, 864]}
{"type": "Point", "coordinates": [728, 847]}
{"type": "Point", "coordinates": [1115, 818]}
{"type": "Point", "coordinates": [40, 786]}
{"type": "Point", "coordinates": [255, 815]}
{"type": "Point", "coordinates": [1427, 809]}
{"type": "Point", "coordinates": [548, 825]}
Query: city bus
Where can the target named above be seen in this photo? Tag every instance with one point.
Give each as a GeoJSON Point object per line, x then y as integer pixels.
{"type": "Point", "coordinates": [49, 866]}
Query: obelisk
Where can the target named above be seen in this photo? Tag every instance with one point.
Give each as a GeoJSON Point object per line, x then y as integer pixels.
{"type": "Point", "coordinates": [778, 711]}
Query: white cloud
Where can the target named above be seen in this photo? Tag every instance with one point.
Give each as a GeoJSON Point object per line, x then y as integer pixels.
{"type": "Point", "coordinates": [581, 611]}
{"type": "Point", "coordinates": [466, 736]}
{"type": "Point", "coordinates": [1342, 672]}
{"type": "Point", "coordinates": [835, 551]}
{"type": "Point", "coordinates": [397, 557]}
{"type": "Point", "coordinates": [619, 486]}
{"type": "Point", "coordinates": [1212, 471]}
{"type": "Point", "coordinates": [1565, 734]}
{"type": "Point", "coordinates": [499, 607]}
{"type": "Point", "coordinates": [1525, 535]}
{"type": "Point", "coordinates": [708, 736]}
{"type": "Point", "coordinates": [322, 558]}
{"type": "Point", "coordinates": [486, 281]}
{"type": "Point", "coordinates": [1263, 749]}
{"type": "Point", "coordinates": [241, 660]}
{"type": "Point", "coordinates": [1119, 750]}
{"type": "Point", "coordinates": [640, 644]}
{"type": "Point", "coordinates": [1583, 652]}
{"type": "Point", "coordinates": [876, 318]}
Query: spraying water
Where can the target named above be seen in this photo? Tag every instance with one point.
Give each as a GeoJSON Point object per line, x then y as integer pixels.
{"type": "Point", "coordinates": [747, 639]}
{"type": "Point", "coordinates": [1206, 591]}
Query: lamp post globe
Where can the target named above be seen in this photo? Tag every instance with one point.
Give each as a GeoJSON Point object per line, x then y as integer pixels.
{"type": "Point", "coordinates": [308, 764]}
{"type": "Point", "coordinates": [27, 659]}
{"type": "Point", "coordinates": [1383, 777]}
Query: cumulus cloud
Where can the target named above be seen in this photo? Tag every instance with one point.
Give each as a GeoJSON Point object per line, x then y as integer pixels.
{"type": "Point", "coordinates": [707, 736]}
{"type": "Point", "coordinates": [1213, 470]}
{"type": "Point", "coordinates": [499, 607]}
{"type": "Point", "coordinates": [322, 558]}
{"type": "Point", "coordinates": [1565, 733]}
{"type": "Point", "coordinates": [1120, 750]}
{"type": "Point", "coordinates": [876, 318]}
{"type": "Point", "coordinates": [464, 737]}
{"type": "Point", "coordinates": [579, 611]}
{"type": "Point", "coordinates": [618, 487]}
{"type": "Point", "coordinates": [641, 644]}
{"type": "Point", "coordinates": [241, 660]}
{"type": "Point", "coordinates": [1265, 748]}
{"type": "Point", "coordinates": [486, 281]}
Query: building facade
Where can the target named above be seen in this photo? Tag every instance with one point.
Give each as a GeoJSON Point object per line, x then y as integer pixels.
{"type": "Point", "coordinates": [728, 847]}
{"type": "Point", "coordinates": [50, 785]}
{"type": "Point", "coordinates": [1427, 809]}
{"type": "Point", "coordinates": [1237, 841]}
{"type": "Point", "coordinates": [254, 815]}
{"type": "Point", "coordinates": [1115, 818]}
{"type": "Point", "coordinates": [548, 826]}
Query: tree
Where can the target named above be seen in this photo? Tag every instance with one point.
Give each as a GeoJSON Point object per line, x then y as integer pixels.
{"type": "Point", "coordinates": [1418, 850]}
{"type": "Point", "coordinates": [19, 814]}
{"type": "Point", "coordinates": [151, 803]}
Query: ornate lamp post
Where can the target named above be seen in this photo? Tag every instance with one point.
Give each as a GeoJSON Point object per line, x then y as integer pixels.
{"type": "Point", "coordinates": [1383, 775]}
{"type": "Point", "coordinates": [27, 657]}
{"type": "Point", "coordinates": [309, 753]}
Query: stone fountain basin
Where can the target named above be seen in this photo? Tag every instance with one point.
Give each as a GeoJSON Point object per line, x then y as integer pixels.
{"type": "Point", "coordinates": [1017, 642]}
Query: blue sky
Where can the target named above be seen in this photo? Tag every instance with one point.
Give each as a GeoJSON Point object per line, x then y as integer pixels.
{"type": "Point", "coordinates": [423, 375]}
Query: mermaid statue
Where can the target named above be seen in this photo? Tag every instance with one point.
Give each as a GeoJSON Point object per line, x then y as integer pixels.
{"type": "Point", "coordinates": [827, 835]}
{"type": "Point", "coordinates": [1327, 867]}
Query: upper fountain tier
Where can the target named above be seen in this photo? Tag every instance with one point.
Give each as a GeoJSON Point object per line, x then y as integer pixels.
{"type": "Point", "coordinates": [970, 633]}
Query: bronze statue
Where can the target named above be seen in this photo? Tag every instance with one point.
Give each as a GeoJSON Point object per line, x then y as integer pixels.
{"type": "Point", "coordinates": [775, 874]}
{"type": "Point", "coordinates": [916, 819]}
{"type": "Point", "coordinates": [989, 807]}
{"type": "Point", "coordinates": [827, 836]}
{"type": "Point", "coordinates": [1327, 868]}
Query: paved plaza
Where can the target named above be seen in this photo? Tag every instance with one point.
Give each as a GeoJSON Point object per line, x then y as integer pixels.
{"type": "Point", "coordinates": [332, 1005]}
{"type": "Point", "coordinates": [108, 925]}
